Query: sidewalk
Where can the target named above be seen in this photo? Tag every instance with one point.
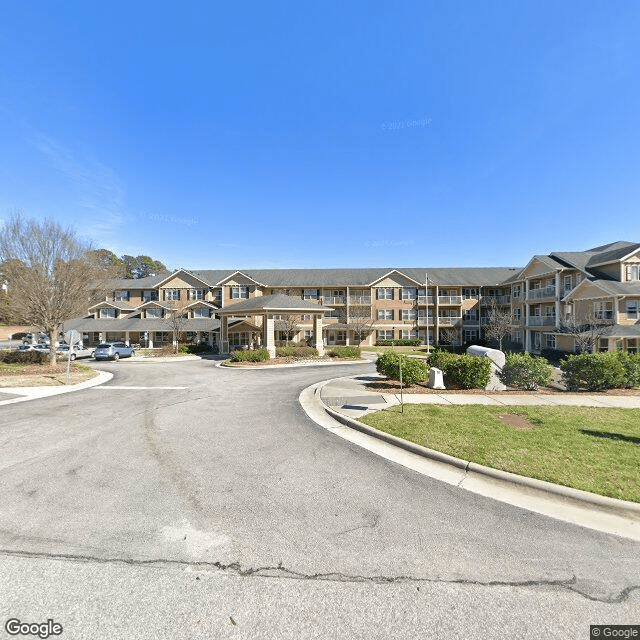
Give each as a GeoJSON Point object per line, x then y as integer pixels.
{"type": "Point", "coordinates": [350, 397]}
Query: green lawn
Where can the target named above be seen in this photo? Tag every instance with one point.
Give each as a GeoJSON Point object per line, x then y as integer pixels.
{"type": "Point", "coordinates": [410, 351]}
{"type": "Point", "coordinates": [595, 450]}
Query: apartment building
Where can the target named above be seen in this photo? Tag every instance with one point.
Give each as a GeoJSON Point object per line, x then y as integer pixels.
{"type": "Point", "coordinates": [361, 306]}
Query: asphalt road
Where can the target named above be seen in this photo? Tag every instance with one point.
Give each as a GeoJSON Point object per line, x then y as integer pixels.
{"type": "Point", "coordinates": [219, 510]}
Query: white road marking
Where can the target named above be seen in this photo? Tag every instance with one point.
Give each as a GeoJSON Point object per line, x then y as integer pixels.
{"type": "Point", "coordinates": [137, 388]}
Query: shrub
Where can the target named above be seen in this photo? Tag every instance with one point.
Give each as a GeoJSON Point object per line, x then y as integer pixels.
{"type": "Point", "coordinates": [593, 371]}
{"type": "Point", "coordinates": [257, 355]}
{"type": "Point", "coordinates": [524, 371]}
{"type": "Point", "coordinates": [183, 348]}
{"type": "Point", "coordinates": [344, 352]}
{"type": "Point", "coordinates": [461, 370]}
{"type": "Point", "coordinates": [554, 356]}
{"type": "Point", "coordinates": [23, 357]}
{"type": "Point", "coordinates": [400, 342]}
{"type": "Point", "coordinates": [296, 351]}
{"type": "Point", "coordinates": [631, 365]}
{"type": "Point", "coordinates": [413, 370]}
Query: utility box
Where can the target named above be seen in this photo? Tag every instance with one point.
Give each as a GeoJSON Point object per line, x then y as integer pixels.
{"type": "Point", "coordinates": [435, 379]}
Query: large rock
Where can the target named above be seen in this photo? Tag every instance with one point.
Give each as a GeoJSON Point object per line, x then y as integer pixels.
{"type": "Point", "coordinates": [498, 360]}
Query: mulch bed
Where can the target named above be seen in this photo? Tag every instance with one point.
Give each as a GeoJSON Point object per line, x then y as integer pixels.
{"type": "Point", "coordinates": [393, 386]}
{"type": "Point", "coordinates": [30, 369]}
{"type": "Point", "coordinates": [287, 360]}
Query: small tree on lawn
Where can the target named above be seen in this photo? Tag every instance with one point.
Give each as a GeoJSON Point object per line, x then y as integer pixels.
{"type": "Point", "coordinates": [499, 321]}
{"type": "Point", "coordinates": [449, 336]}
{"type": "Point", "coordinates": [52, 275]}
{"type": "Point", "coordinates": [176, 319]}
{"type": "Point", "coordinates": [289, 326]}
{"type": "Point", "coordinates": [587, 333]}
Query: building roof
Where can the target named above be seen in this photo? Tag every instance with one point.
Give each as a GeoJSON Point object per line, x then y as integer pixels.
{"type": "Point", "coordinates": [89, 323]}
{"type": "Point", "coordinates": [118, 304]}
{"type": "Point", "coordinates": [275, 302]}
{"type": "Point", "coordinates": [622, 331]}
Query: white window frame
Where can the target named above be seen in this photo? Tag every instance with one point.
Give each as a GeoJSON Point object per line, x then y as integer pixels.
{"type": "Point", "coordinates": [149, 295]}
{"type": "Point", "coordinates": [108, 312]}
{"type": "Point", "coordinates": [384, 293]}
{"type": "Point", "coordinates": [310, 294]}
{"type": "Point", "coordinates": [408, 334]}
{"type": "Point", "coordinates": [153, 312]}
{"type": "Point", "coordinates": [201, 312]}
{"type": "Point", "coordinates": [633, 309]}
{"type": "Point", "coordinates": [384, 334]}
{"type": "Point", "coordinates": [384, 314]}
{"type": "Point", "coordinates": [408, 314]}
{"type": "Point", "coordinates": [409, 293]}
{"type": "Point", "coordinates": [172, 294]}
{"type": "Point", "coordinates": [122, 296]}
{"type": "Point", "coordinates": [633, 272]}
{"type": "Point", "coordinates": [238, 292]}
{"type": "Point", "coordinates": [196, 294]}
{"type": "Point", "coordinates": [550, 340]}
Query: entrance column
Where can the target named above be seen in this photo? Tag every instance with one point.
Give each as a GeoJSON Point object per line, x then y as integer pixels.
{"type": "Point", "coordinates": [150, 340]}
{"type": "Point", "coordinates": [126, 337]}
{"type": "Point", "coordinates": [269, 335]}
{"type": "Point", "coordinates": [317, 332]}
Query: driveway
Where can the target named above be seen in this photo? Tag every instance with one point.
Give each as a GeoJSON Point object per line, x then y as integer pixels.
{"type": "Point", "coordinates": [182, 500]}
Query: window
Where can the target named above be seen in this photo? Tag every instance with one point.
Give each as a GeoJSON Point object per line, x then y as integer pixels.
{"type": "Point", "coordinates": [172, 294]}
{"type": "Point", "coordinates": [536, 341]}
{"type": "Point", "coordinates": [603, 310]}
{"type": "Point", "coordinates": [470, 293]}
{"type": "Point", "coordinates": [307, 317]}
{"type": "Point", "coordinates": [551, 312]}
{"type": "Point", "coordinates": [409, 293]}
{"type": "Point", "coordinates": [161, 337]}
{"type": "Point", "coordinates": [408, 334]}
{"type": "Point", "coordinates": [632, 345]}
{"type": "Point", "coordinates": [385, 334]}
{"type": "Point", "coordinates": [632, 309]}
{"type": "Point", "coordinates": [632, 272]}
{"type": "Point", "coordinates": [311, 294]}
{"type": "Point", "coordinates": [409, 314]}
{"type": "Point", "coordinates": [517, 337]}
{"type": "Point", "coordinates": [470, 335]}
{"type": "Point", "coordinates": [239, 338]}
{"type": "Point", "coordinates": [308, 334]}
{"type": "Point", "coordinates": [470, 314]}
{"type": "Point", "coordinates": [239, 293]}
{"type": "Point", "coordinates": [201, 312]}
{"type": "Point", "coordinates": [568, 280]}
{"type": "Point", "coordinates": [332, 314]}
{"type": "Point", "coordinates": [551, 341]}
{"type": "Point", "coordinates": [154, 312]}
{"type": "Point", "coordinates": [107, 312]}
{"type": "Point", "coordinates": [384, 293]}
{"type": "Point", "coordinates": [385, 314]}
{"type": "Point", "coordinates": [121, 296]}
{"type": "Point", "coordinates": [196, 294]}
{"type": "Point", "coordinates": [603, 344]}
{"type": "Point", "coordinates": [148, 296]}
{"type": "Point", "coordinates": [516, 314]}
{"type": "Point", "coordinates": [516, 291]}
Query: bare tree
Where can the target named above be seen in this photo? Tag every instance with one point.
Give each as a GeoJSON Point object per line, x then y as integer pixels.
{"type": "Point", "coordinates": [587, 333]}
{"type": "Point", "coordinates": [51, 274]}
{"type": "Point", "coordinates": [359, 321]}
{"type": "Point", "coordinates": [289, 326]}
{"type": "Point", "coordinates": [176, 319]}
{"type": "Point", "coordinates": [499, 321]}
{"type": "Point", "coordinates": [449, 336]}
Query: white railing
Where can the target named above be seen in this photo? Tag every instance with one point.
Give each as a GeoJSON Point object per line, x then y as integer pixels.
{"type": "Point", "coordinates": [424, 321]}
{"type": "Point", "coordinates": [541, 321]}
{"type": "Point", "coordinates": [499, 299]}
{"type": "Point", "coordinates": [547, 292]}
{"type": "Point", "coordinates": [333, 299]}
{"type": "Point", "coordinates": [425, 299]}
{"type": "Point", "coordinates": [449, 299]}
{"type": "Point", "coordinates": [449, 321]}
{"type": "Point", "coordinates": [360, 300]}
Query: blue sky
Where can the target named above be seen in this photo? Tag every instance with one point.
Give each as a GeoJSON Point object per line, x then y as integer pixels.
{"type": "Point", "coordinates": [324, 134]}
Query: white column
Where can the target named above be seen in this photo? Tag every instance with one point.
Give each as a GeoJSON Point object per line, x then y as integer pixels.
{"type": "Point", "coordinates": [317, 332]}
{"type": "Point", "coordinates": [269, 336]}
{"type": "Point", "coordinates": [150, 340]}
{"type": "Point", "coordinates": [557, 299]}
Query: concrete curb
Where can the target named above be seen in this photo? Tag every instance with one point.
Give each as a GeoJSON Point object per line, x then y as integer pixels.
{"type": "Point", "coordinates": [34, 393]}
{"type": "Point", "coordinates": [285, 366]}
{"type": "Point", "coordinates": [610, 515]}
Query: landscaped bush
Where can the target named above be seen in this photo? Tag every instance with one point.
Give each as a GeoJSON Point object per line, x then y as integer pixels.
{"type": "Point", "coordinates": [524, 371]}
{"type": "Point", "coordinates": [344, 352]}
{"type": "Point", "coordinates": [400, 342]}
{"type": "Point", "coordinates": [257, 355]}
{"type": "Point", "coordinates": [554, 356]}
{"type": "Point", "coordinates": [593, 371]}
{"type": "Point", "coordinates": [461, 370]}
{"type": "Point", "coordinates": [183, 348]}
{"type": "Point", "coordinates": [631, 364]}
{"type": "Point", "coordinates": [413, 370]}
{"type": "Point", "coordinates": [23, 357]}
{"type": "Point", "coordinates": [294, 351]}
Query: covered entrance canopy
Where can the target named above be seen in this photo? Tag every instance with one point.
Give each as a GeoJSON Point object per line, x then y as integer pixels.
{"type": "Point", "coordinates": [269, 306]}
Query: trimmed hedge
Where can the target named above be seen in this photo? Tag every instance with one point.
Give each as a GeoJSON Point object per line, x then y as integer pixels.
{"type": "Point", "coordinates": [344, 352]}
{"type": "Point", "coordinates": [524, 371]}
{"type": "Point", "coordinates": [593, 371]}
{"type": "Point", "coordinates": [293, 351]}
{"type": "Point", "coordinates": [413, 370]}
{"type": "Point", "coordinates": [257, 355]}
{"type": "Point", "coordinates": [631, 365]}
{"type": "Point", "coordinates": [461, 370]}
{"type": "Point", "coordinates": [24, 357]}
{"type": "Point", "coordinates": [400, 342]}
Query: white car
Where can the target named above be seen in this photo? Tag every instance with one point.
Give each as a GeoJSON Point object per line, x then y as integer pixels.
{"type": "Point", "coordinates": [78, 351]}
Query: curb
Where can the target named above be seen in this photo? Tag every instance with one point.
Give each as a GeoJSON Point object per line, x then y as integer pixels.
{"type": "Point", "coordinates": [35, 393]}
{"type": "Point", "coordinates": [610, 515]}
{"type": "Point", "coordinates": [285, 366]}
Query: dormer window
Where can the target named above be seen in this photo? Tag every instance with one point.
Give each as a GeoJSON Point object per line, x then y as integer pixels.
{"type": "Point", "coordinates": [238, 293]}
{"type": "Point", "coordinates": [196, 294]}
{"type": "Point", "coordinates": [107, 312]}
{"type": "Point", "coordinates": [202, 312]}
{"type": "Point", "coordinates": [633, 272]}
{"type": "Point", "coordinates": [154, 312]}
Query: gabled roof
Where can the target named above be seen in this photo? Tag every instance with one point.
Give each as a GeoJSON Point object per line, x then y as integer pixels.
{"type": "Point", "coordinates": [239, 273]}
{"type": "Point", "coordinates": [181, 270]}
{"type": "Point", "coordinates": [153, 303]}
{"type": "Point", "coordinates": [614, 255]}
{"type": "Point", "coordinates": [608, 288]}
{"type": "Point", "coordinates": [117, 304]}
{"type": "Point", "coordinates": [201, 303]}
{"type": "Point", "coordinates": [274, 303]}
{"type": "Point", "coordinates": [395, 271]}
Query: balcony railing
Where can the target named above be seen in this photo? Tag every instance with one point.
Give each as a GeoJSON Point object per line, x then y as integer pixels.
{"type": "Point", "coordinates": [499, 299]}
{"type": "Point", "coordinates": [546, 292]}
{"type": "Point", "coordinates": [364, 300]}
{"type": "Point", "coordinates": [333, 299]}
{"type": "Point", "coordinates": [449, 321]}
{"type": "Point", "coordinates": [541, 321]}
{"type": "Point", "coordinates": [449, 299]}
{"type": "Point", "coordinates": [424, 321]}
{"type": "Point", "coordinates": [425, 299]}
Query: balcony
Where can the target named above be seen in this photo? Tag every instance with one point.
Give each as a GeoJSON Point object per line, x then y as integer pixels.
{"type": "Point", "coordinates": [449, 299]}
{"type": "Point", "coordinates": [499, 299]}
{"type": "Point", "coordinates": [333, 300]}
{"type": "Point", "coordinates": [360, 300]}
{"type": "Point", "coordinates": [541, 321]}
{"type": "Point", "coordinates": [449, 321]}
{"type": "Point", "coordinates": [424, 321]}
{"type": "Point", "coordinates": [425, 300]}
{"type": "Point", "coordinates": [537, 294]}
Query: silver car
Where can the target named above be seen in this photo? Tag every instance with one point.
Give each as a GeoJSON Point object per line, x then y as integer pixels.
{"type": "Point", "coordinates": [113, 351]}
{"type": "Point", "coordinates": [78, 351]}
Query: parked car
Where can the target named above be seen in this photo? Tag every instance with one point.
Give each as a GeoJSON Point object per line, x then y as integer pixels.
{"type": "Point", "coordinates": [113, 351]}
{"type": "Point", "coordinates": [25, 347]}
{"type": "Point", "coordinates": [41, 347]}
{"type": "Point", "coordinates": [78, 351]}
